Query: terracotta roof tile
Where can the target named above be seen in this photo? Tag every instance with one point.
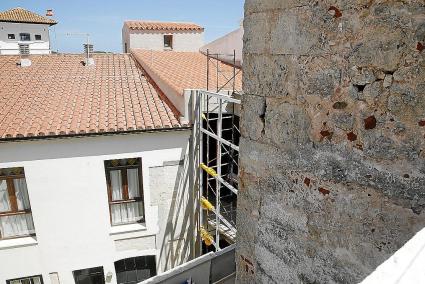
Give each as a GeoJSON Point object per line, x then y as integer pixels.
{"type": "Point", "coordinates": [57, 95]}
{"type": "Point", "coordinates": [162, 26]}
{"type": "Point", "coordinates": [187, 70]}
{"type": "Point", "coordinates": [19, 15]}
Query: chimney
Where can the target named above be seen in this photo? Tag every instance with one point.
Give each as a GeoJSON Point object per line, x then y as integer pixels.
{"type": "Point", "coordinates": [49, 13]}
{"type": "Point", "coordinates": [88, 51]}
{"type": "Point", "coordinates": [24, 51]}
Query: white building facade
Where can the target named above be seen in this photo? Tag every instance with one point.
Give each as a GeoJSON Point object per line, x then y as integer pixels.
{"type": "Point", "coordinates": [162, 36]}
{"type": "Point", "coordinates": [67, 228]}
{"type": "Point", "coordinates": [36, 36]}
{"type": "Point", "coordinates": [32, 32]}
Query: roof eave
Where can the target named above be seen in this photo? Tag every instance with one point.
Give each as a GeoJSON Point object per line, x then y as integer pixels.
{"type": "Point", "coordinates": [184, 30]}
{"type": "Point", "coordinates": [94, 134]}
{"type": "Point", "coordinates": [28, 22]}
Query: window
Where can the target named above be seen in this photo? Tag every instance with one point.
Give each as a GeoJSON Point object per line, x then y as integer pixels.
{"type": "Point", "coordinates": [25, 37]}
{"type": "Point", "coordinates": [37, 37]}
{"type": "Point", "coordinates": [93, 275]}
{"type": "Point", "coordinates": [125, 47]}
{"type": "Point", "coordinates": [168, 41]}
{"type": "Point", "coordinates": [135, 269]}
{"type": "Point", "coordinates": [27, 280]}
{"type": "Point", "coordinates": [125, 192]}
{"type": "Point", "coordinates": [15, 210]}
{"type": "Point", "coordinates": [11, 36]}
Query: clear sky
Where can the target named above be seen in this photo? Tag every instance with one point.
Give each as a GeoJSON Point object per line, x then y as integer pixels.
{"type": "Point", "coordinates": [103, 19]}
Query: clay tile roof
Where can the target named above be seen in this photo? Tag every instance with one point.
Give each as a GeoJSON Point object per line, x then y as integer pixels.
{"type": "Point", "coordinates": [162, 26]}
{"type": "Point", "coordinates": [187, 70]}
{"type": "Point", "coordinates": [19, 15]}
{"type": "Point", "coordinates": [58, 96]}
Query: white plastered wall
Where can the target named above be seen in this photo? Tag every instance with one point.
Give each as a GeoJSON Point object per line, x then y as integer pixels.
{"type": "Point", "coordinates": [11, 47]}
{"type": "Point", "coordinates": [154, 40]}
{"type": "Point", "coordinates": [68, 195]}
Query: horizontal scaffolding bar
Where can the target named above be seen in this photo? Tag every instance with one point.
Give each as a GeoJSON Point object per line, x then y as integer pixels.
{"type": "Point", "coordinates": [225, 142]}
{"type": "Point", "coordinates": [221, 96]}
{"type": "Point", "coordinates": [225, 222]}
{"type": "Point", "coordinates": [235, 191]}
{"type": "Point", "coordinates": [208, 206]}
{"type": "Point", "coordinates": [214, 174]}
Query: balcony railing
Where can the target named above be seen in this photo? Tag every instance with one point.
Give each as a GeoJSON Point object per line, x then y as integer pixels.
{"type": "Point", "coordinates": [214, 267]}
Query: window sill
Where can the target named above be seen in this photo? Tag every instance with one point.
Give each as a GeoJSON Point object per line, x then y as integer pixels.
{"type": "Point", "coordinates": [120, 229]}
{"type": "Point", "coordinates": [18, 242]}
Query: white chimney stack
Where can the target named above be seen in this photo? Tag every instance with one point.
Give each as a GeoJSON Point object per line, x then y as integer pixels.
{"type": "Point", "coordinates": [24, 51]}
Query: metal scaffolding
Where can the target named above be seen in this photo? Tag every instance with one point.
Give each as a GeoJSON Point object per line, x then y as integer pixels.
{"type": "Point", "coordinates": [225, 78]}
{"type": "Point", "coordinates": [218, 137]}
{"type": "Point", "coordinates": [215, 150]}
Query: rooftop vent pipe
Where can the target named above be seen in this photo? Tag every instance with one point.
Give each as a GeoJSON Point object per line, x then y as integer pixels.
{"type": "Point", "coordinates": [88, 50]}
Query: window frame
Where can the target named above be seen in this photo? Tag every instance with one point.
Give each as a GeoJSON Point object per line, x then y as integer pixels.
{"type": "Point", "coordinates": [124, 184]}
{"type": "Point", "coordinates": [35, 37]}
{"type": "Point", "coordinates": [11, 36]}
{"type": "Point", "coordinates": [13, 201]}
{"type": "Point", "coordinates": [22, 34]}
{"type": "Point", "coordinates": [24, 278]}
{"type": "Point", "coordinates": [134, 260]}
{"type": "Point", "coordinates": [89, 272]}
{"type": "Point", "coordinates": [171, 41]}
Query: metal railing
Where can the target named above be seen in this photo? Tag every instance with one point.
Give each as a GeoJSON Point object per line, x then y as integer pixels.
{"type": "Point", "coordinates": [214, 267]}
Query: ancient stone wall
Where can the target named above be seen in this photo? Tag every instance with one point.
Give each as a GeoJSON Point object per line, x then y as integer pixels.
{"type": "Point", "coordinates": [333, 147]}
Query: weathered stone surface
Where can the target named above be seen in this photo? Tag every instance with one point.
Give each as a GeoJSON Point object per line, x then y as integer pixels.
{"type": "Point", "coordinates": [361, 76]}
{"type": "Point", "coordinates": [253, 108]}
{"type": "Point", "coordinates": [278, 77]}
{"type": "Point", "coordinates": [388, 81]}
{"type": "Point", "coordinates": [344, 121]}
{"type": "Point", "coordinates": [291, 35]}
{"type": "Point", "coordinates": [255, 6]}
{"type": "Point", "coordinates": [332, 154]}
{"type": "Point", "coordinates": [260, 27]}
{"type": "Point", "coordinates": [283, 122]}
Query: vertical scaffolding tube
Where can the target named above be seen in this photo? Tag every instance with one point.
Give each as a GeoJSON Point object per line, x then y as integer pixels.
{"type": "Point", "coordinates": [218, 71]}
{"type": "Point", "coordinates": [200, 153]}
{"type": "Point", "coordinates": [208, 68]}
{"type": "Point", "coordinates": [218, 195]}
{"type": "Point", "coordinates": [234, 71]}
{"type": "Point", "coordinates": [191, 169]}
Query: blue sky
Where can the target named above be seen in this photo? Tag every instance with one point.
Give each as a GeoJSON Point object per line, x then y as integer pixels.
{"type": "Point", "coordinates": [103, 19]}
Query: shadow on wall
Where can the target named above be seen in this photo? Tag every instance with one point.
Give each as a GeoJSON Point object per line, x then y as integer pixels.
{"type": "Point", "coordinates": [177, 237]}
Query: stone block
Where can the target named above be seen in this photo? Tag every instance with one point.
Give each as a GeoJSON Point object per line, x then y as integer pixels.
{"type": "Point", "coordinates": [289, 36]}
{"type": "Point", "coordinates": [286, 123]}
{"type": "Point", "coordinates": [257, 26]}
{"type": "Point", "coordinates": [279, 76]}
{"type": "Point", "coordinates": [253, 108]}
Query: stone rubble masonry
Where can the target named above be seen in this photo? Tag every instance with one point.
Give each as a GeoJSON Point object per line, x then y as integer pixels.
{"type": "Point", "coordinates": [332, 164]}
